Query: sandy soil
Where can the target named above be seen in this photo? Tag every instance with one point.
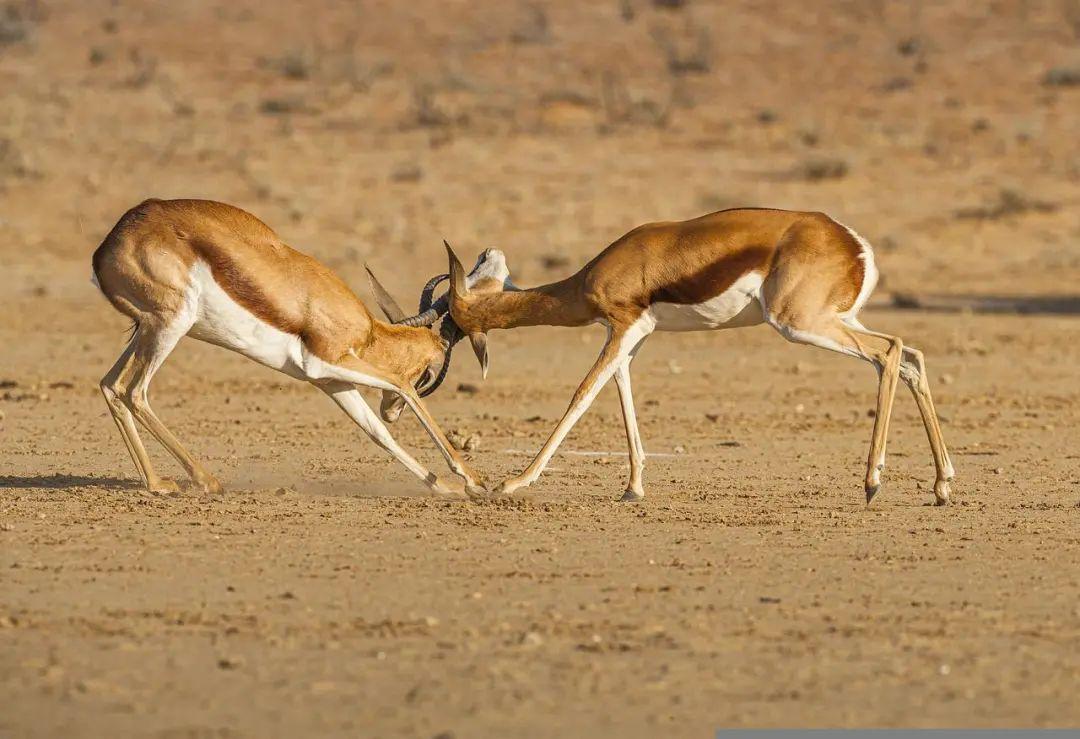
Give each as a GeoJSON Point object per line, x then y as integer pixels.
{"type": "Point", "coordinates": [753, 587]}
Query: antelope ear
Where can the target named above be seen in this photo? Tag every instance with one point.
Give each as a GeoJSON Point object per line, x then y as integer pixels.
{"type": "Point", "coordinates": [479, 346]}
{"type": "Point", "coordinates": [457, 272]}
{"type": "Point", "coordinates": [389, 306]}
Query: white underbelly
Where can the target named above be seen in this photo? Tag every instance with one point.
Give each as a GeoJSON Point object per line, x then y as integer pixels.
{"type": "Point", "coordinates": [222, 321]}
{"type": "Point", "coordinates": [737, 306]}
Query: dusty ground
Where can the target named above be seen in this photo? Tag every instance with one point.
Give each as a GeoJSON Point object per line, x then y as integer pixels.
{"type": "Point", "coordinates": [752, 587]}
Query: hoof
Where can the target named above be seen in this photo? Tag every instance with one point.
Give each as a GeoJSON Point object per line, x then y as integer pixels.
{"type": "Point", "coordinates": [477, 492]}
{"type": "Point", "coordinates": [942, 492]}
{"type": "Point", "coordinates": [208, 486]}
{"type": "Point", "coordinates": [871, 491]}
{"type": "Point", "coordinates": [449, 489]}
{"type": "Point", "coordinates": [164, 486]}
{"type": "Point", "coordinates": [511, 486]}
{"type": "Point", "coordinates": [631, 496]}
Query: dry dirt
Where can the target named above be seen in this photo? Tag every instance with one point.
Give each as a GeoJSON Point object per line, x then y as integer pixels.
{"type": "Point", "coordinates": [324, 594]}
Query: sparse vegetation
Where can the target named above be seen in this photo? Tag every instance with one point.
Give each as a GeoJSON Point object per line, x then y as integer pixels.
{"type": "Point", "coordinates": [534, 28]}
{"type": "Point", "coordinates": [822, 168]}
{"type": "Point", "coordinates": [1007, 203]}
{"type": "Point", "coordinates": [620, 107]}
{"type": "Point", "coordinates": [282, 105]}
{"type": "Point", "coordinates": [19, 19]}
{"type": "Point", "coordinates": [1062, 77]}
{"type": "Point", "coordinates": [689, 52]}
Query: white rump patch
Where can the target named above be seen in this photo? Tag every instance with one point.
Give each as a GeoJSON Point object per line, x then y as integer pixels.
{"type": "Point", "coordinates": [737, 306]}
{"type": "Point", "coordinates": [870, 272]}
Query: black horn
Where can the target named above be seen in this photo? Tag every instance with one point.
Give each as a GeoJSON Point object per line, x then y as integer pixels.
{"type": "Point", "coordinates": [427, 295]}
{"type": "Point", "coordinates": [452, 334]}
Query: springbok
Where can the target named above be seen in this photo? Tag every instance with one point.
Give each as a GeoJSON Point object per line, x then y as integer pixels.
{"type": "Point", "coordinates": [216, 273]}
{"type": "Point", "coordinates": [804, 274]}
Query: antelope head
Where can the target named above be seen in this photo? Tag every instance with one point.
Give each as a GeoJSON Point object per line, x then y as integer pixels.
{"type": "Point", "coordinates": [489, 275]}
{"type": "Point", "coordinates": [428, 376]}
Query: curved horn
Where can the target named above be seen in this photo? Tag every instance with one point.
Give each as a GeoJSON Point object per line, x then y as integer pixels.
{"type": "Point", "coordinates": [428, 293]}
{"type": "Point", "coordinates": [389, 306]}
{"type": "Point", "coordinates": [453, 335]}
{"type": "Point", "coordinates": [426, 318]}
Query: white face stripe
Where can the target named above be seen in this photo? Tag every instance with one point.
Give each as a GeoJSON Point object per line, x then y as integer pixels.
{"type": "Point", "coordinates": [490, 264]}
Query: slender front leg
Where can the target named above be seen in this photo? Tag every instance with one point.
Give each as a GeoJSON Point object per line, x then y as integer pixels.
{"type": "Point", "coordinates": [634, 489]}
{"type": "Point", "coordinates": [453, 457]}
{"type": "Point", "coordinates": [616, 350]}
{"type": "Point", "coordinates": [353, 404]}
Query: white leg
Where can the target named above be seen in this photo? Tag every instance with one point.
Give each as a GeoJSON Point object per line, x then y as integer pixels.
{"type": "Point", "coordinates": [634, 488]}
{"type": "Point", "coordinates": [355, 372]}
{"type": "Point", "coordinates": [883, 352]}
{"type": "Point", "coordinates": [615, 352]}
{"type": "Point", "coordinates": [913, 373]}
{"type": "Point", "coordinates": [152, 347]}
{"type": "Point", "coordinates": [350, 401]}
{"type": "Point", "coordinates": [453, 458]}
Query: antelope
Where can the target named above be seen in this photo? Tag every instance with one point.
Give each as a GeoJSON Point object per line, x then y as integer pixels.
{"type": "Point", "coordinates": [804, 274]}
{"type": "Point", "coordinates": [218, 274]}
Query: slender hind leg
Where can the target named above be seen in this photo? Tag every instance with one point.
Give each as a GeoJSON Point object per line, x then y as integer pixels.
{"type": "Point", "coordinates": [881, 350]}
{"type": "Point", "coordinates": [913, 373]}
{"type": "Point", "coordinates": [114, 388]}
{"type": "Point", "coordinates": [152, 345]}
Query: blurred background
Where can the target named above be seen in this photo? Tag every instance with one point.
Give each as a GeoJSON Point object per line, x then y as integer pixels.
{"type": "Point", "coordinates": [945, 132]}
{"type": "Point", "coordinates": [754, 587]}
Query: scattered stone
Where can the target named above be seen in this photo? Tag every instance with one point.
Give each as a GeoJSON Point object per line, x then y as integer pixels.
{"type": "Point", "coordinates": [909, 46]}
{"type": "Point", "coordinates": [230, 663]}
{"type": "Point", "coordinates": [532, 639]}
{"type": "Point", "coordinates": [714, 417]}
{"type": "Point", "coordinates": [468, 388]}
{"type": "Point", "coordinates": [947, 379]}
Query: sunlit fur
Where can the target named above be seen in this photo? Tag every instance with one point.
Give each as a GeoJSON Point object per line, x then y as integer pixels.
{"type": "Point", "coordinates": [803, 273]}
{"type": "Point", "coordinates": [216, 273]}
